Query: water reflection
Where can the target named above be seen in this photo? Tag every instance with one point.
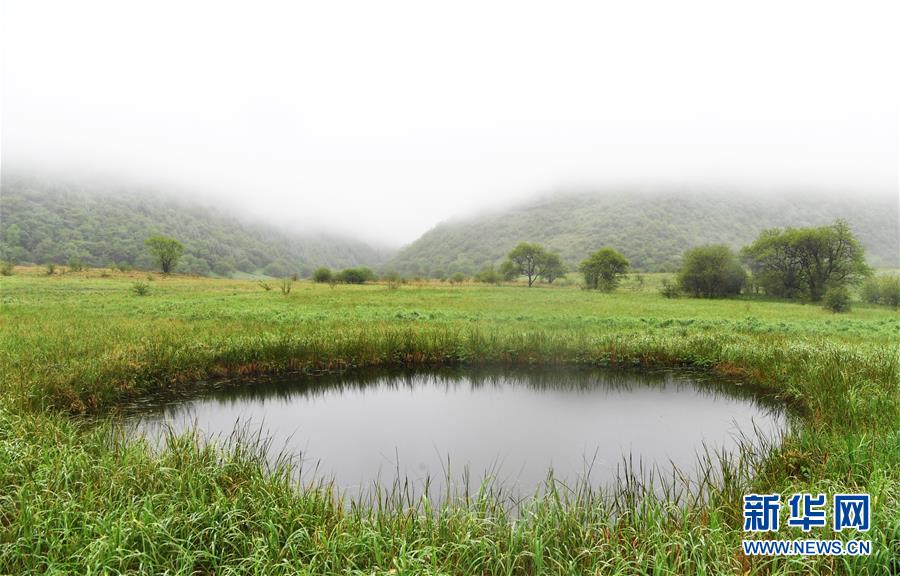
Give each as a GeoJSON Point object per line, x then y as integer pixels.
{"type": "Point", "coordinates": [511, 425]}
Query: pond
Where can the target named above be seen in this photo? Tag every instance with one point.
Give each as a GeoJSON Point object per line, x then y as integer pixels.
{"type": "Point", "coordinates": [509, 425]}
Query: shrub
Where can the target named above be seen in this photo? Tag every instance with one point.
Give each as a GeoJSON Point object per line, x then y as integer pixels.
{"type": "Point", "coordinates": [871, 290]}
{"type": "Point", "coordinates": [356, 275]}
{"type": "Point", "coordinates": [286, 285]}
{"type": "Point", "coordinates": [457, 278]}
{"type": "Point", "coordinates": [140, 288]}
{"type": "Point", "coordinates": [669, 289]}
{"type": "Point", "coordinates": [882, 290]}
{"type": "Point", "coordinates": [6, 268]}
{"type": "Point", "coordinates": [890, 290]}
{"type": "Point", "coordinates": [75, 265]}
{"type": "Point", "coordinates": [711, 271]}
{"type": "Point", "coordinates": [488, 275]}
{"type": "Point", "coordinates": [50, 268]}
{"type": "Point", "coordinates": [264, 285]}
{"type": "Point", "coordinates": [837, 299]}
{"type": "Point", "coordinates": [322, 275]}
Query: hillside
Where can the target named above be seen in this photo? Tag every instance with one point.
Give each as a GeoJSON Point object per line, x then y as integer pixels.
{"type": "Point", "coordinates": [652, 229]}
{"type": "Point", "coordinates": [101, 226]}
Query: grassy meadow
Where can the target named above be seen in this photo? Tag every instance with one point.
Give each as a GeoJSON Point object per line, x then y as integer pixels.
{"type": "Point", "coordinates": [77, 497]}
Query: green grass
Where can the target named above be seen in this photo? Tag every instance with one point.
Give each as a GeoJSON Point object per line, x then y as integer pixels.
{"type": "Point", "coordinates": [76, 497]}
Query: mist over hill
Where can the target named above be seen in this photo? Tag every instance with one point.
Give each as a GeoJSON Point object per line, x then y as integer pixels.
{"type": "Point", "coordinates": [48, 221]}
{"type": "Point", "coordinates": [651, 228]}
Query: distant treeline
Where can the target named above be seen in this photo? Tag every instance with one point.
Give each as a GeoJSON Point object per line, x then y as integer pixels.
{"type": "Point", "coordinates": [651, 229]}
{"type": "Point", "coordinates": [48, 223]}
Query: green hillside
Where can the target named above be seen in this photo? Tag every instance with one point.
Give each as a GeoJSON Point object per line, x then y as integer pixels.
{"type": "Point", "coordinates": [652, 229]}
{"type": "Point", "coordinates": [45, 222]}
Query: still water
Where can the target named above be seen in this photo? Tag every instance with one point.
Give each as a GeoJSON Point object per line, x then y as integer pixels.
{"type": "Point", "coordinates": [511, 426]}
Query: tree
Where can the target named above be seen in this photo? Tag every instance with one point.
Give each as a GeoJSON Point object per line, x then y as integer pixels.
{"type": "Point", "coordinates": [509, 271]}
{"type": "Point", "coordinates": [527, 260]}
{"type": "Point", "coordinates": [830, 257]}
{"type": "Point", "coordinates": [167, 251]}
{"type": "Point", "coordinates": [711, 271]}
{"type": "Point", "coordinates": [807, 261]}
{"type": "Point", "coordinates": [604, 269]}
{"type": "Point", "coordinates": [322, 275]}
{"type": "Point", "coordinates": [553, 267]}
{"type": "Point", "coordinates": [774, 264]}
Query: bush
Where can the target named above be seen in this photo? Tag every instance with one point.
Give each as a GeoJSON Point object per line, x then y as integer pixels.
{"type": "Point", "coordinates": [75, 265]}
{"type": "Point", "coordinates": [871, 291]}
{"type": "Point", "coordinates": [140, 288]}
{"type": "Point", "coordinates": [711, 271]}
{"type": "Point", "coordinates": [50, 268]}
{"type": "Point", "coordinates": [286, 285]}
{"type": "Point", "coordinates": [890, 290]}
{"type": "Point", "coordinates": [322, 275]}
{"type": "Point", "coordinates": [6, 268]}
{"type": "Point", "coordinates": [669, 289]}
{"type": "Point", "coordinates": [882, 290]}
{"type": "Point", "coordinates": [837, 299]}
{"type": "Point", "coordinates": [264, 285]}
{"type": "Point", "coordinates": [458, 278]}
{"type": "Point", "coordinates": [355, 275]}
{"type": "Point", "coordinates": [488, 275]}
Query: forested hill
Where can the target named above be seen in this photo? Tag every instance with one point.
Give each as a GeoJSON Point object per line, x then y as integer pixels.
{"type": "Point", "coordinates": [43, 222]}
{"type": "Point", "coordinates": [652, 229]}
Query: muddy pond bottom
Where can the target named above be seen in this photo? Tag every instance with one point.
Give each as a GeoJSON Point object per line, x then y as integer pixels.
{"type": "Point", "coordinates": [458, 427]}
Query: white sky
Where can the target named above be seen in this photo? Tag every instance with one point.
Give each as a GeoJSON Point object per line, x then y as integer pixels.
{"type": "Point", "coordinates": [382, 118]}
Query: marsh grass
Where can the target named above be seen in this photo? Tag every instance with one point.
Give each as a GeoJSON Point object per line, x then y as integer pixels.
{"type": "Point", "coordinates": [76, 496]}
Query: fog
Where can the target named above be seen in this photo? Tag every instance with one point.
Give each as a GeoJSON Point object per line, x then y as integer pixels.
{"type": "Point", "coordinates": [381, 119]}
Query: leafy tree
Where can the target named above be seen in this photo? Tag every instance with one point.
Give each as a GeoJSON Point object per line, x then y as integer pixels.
{"type": "Point", "coordinates": [509, 271]}
{"type": "Point", "coordinates": [457, 278]}
{"type": "Point", "coordinates": [806, 261]}
{"type": "Point", "coordinates": [553, 267]}
{"type": "Point", "coordinates": [322, 275]}
{"type": "Point", "coordinates": [830, 256]}
{"type": "Point", "coordinates": [527, 260]}
{"type": "Point", "coordinates": [711, 271]}
{"type": "Point", "coordinates": [167, 251]}
{"type": "Point", "coordinates": [604, 269]}
{"type": "Point", "coordinates": [774, 263]}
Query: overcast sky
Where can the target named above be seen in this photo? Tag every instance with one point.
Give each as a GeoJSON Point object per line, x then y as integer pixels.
{"type": "Point", "coordinates": [383, 118]}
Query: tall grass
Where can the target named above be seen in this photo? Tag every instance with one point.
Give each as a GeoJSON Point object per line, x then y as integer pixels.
{"type": "Point", "coordinates": [78, 497]}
